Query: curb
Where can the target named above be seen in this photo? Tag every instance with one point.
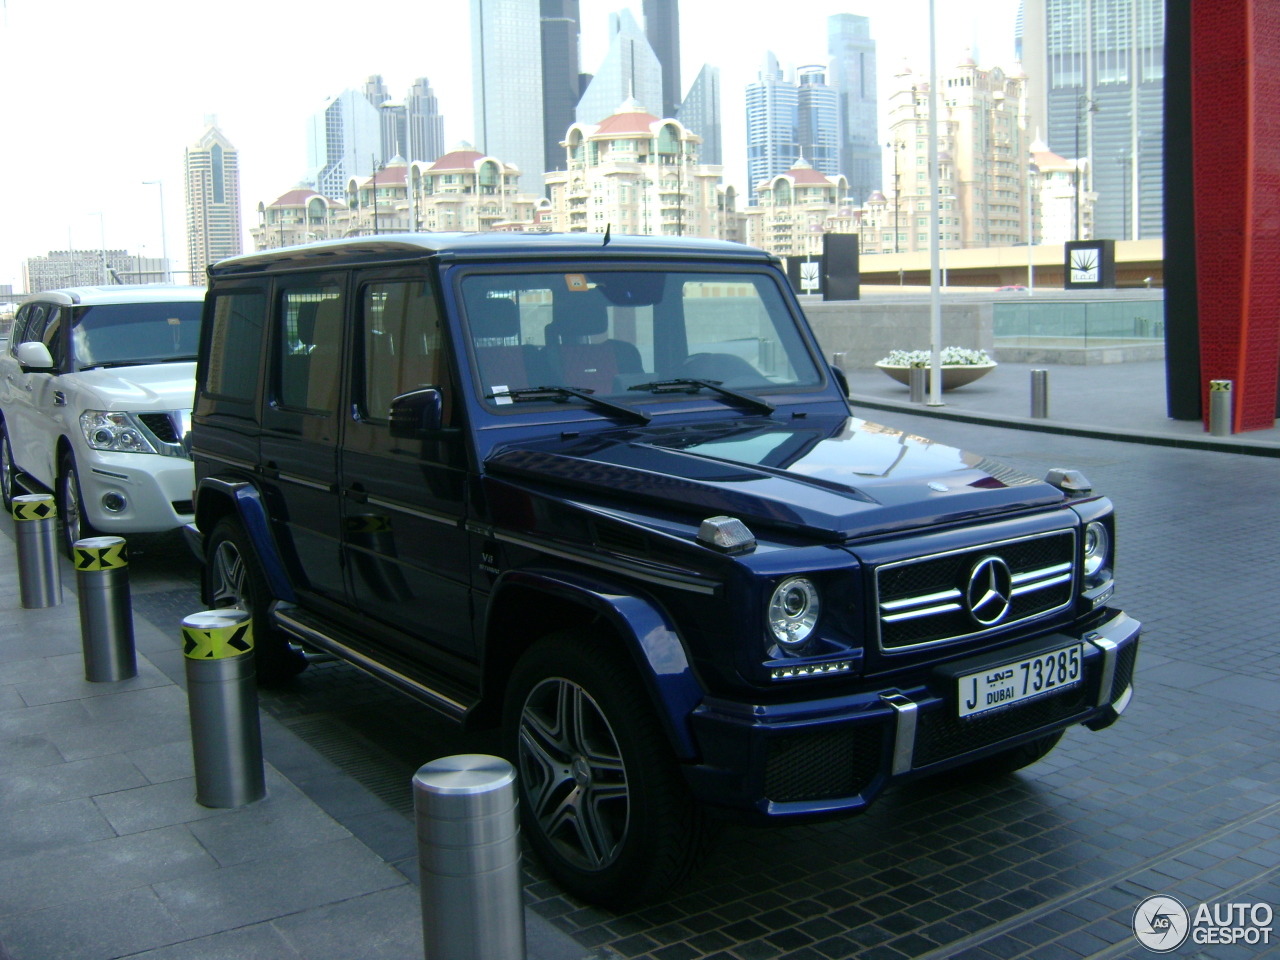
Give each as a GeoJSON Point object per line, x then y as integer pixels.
{"type": "Point", "coordinates": [1070, 429]}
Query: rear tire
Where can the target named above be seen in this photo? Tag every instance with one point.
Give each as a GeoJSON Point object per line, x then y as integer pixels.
{"type": "Point", "coordinates": [70, 498]}
{"type": "Point", "coordinates": [602, 799]}
{"type": "Point", "coordinates": [234, 578]}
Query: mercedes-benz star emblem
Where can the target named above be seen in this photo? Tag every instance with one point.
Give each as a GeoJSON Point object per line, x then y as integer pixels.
{"type": "Point", "coordinates": [990, 591]}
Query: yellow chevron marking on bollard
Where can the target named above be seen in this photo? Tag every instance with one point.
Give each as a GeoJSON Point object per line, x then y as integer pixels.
{"type": "Point", "coordinates": [1224, 385]}
{"type": "Point", "coordinates": [217, 643]}
{"type": "Point", "coordinates": [112, 557]}
{"type": "Point", "coordinates": [34, 507]}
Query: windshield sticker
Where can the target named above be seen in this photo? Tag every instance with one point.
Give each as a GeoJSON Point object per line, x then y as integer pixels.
{"type": "Point", "coordinates": [576, 282]}
{"type": "Point", "coordinates": [500, 393]}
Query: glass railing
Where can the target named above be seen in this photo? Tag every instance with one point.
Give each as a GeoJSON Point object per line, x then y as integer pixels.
{"type": "Point", "coordinates": [1092, 323]}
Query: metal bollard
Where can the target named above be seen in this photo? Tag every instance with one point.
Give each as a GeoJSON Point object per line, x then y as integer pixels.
{"type": "Point", "coordinates": [35, 528]}
{"type": "Point", "coordinates": [918, 380]}
{"type": "Point", "coordinates": [106, 613]}
{"type": "Point", "coordinates": [1221, 395]}
{"type": "Point", "coordinates": [1040, 394]}
{"type": "Point", "coordinates": [837, 359]}
{"type": "Point", "coordinates": [469, 859]}
{"type": "Point", "coordinates": [222, 695]}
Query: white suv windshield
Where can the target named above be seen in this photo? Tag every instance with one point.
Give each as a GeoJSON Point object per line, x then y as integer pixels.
{"type": "Point", "coordinates": [125, 334]}
{"type": "Point", "coordinates": [608, 333]}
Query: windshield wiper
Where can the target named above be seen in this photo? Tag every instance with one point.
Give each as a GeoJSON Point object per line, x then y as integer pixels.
{"type": "Point", "coordinates": [686, 385]}
{"type": "Point", "coordinates": [135, 363]}
{"type": "Point", "coordinates": [559, 394]}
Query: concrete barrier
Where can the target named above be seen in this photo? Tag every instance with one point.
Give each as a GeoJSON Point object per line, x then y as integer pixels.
{"type": "Point", "coordinates": [865, 331]}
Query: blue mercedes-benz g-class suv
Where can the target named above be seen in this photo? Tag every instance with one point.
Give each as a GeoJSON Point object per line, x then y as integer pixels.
{"type": "Point", "coordinates": [609, 497]}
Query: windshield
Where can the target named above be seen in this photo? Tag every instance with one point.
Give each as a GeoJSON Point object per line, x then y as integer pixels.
{"type": "Point", "coordinates": [610, 332]}
{"type": "Point", "coordinates": [136, 333]}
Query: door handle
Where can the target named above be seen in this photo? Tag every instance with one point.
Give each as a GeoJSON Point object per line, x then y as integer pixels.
{"type": "Point", "coordinates": [270, 470]}
{"type": "Point", "coordinates": [356, 494]}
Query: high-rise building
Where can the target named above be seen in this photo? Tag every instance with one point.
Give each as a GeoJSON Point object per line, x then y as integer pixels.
{"type": "Point", "coordinates": [213, 200]}
{"type": "Point", "coordinates": [1102, 64]}
{"type": "Point", "coordinates": [630, 70]}
{"type": "Point", "coordinates": [344, 140]}
{"type": "Point", "coordinates": [562, 84]}
{"type": "Point", "coordinates": [83, 268]}
{"type": "Point", "coordinates": [983, 158]}
{"type": "Point", "coordinates": [506, 84]}
{"type": "Point", "coordinates": [426, 126]}
{"type": "Point", "coordinates": [818, 120]}
{"type": "Point", "coordinates": [662, 29]}
{"type": "Point", "coordinates": [773, 135]}
{"type": "Point", "coordinates": [393, 130]}
{"type": "Point", "coordinates": [700, 113]}
{"type": "Point", "coordinates": [636, 173]}
{"type": "Point", "coordinates": [852, 54]}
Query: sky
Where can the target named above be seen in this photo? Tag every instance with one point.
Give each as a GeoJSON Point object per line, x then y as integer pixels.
{"type": "Point", "coordinates": [96, 98]}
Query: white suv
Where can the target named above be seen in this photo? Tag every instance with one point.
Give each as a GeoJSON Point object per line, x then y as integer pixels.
{"type": "Point", "coordinates": [96, 386]}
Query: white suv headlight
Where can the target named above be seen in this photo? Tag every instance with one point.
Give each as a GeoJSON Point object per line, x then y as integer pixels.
{"type": "Point", "coordinates": [108, 430]}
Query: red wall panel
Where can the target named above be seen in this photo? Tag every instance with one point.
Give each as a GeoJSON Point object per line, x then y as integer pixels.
{"type": "Point", "coordinates": [1235, 91]}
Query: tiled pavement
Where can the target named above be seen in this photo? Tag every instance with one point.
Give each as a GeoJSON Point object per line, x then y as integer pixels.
{"type": "Point", "coordinates": [1181, 796]}
{"type": "Point", "coordinates": [104, 852]}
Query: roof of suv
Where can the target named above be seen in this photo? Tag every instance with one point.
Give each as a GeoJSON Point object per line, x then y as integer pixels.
{"type": "Point", "coordinates": [483, 246]}
{"type": "Point", "coordinates": [120, 293]}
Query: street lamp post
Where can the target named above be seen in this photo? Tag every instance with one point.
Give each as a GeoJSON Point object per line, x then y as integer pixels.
{"type": "Point", "coordinates": [1083, 105]}
{"type": "Point", "coordinates": [896, 146]}
{"type": "Point", "coordinates": [935, 294]}
{"type": "Point", "coordinates": [164, 239]}
{"type": "Point", "coordinates": [102, 227]}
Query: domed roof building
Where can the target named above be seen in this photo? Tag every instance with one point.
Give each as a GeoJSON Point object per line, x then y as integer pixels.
{"type": "Point", "coordinates": [794, 209]}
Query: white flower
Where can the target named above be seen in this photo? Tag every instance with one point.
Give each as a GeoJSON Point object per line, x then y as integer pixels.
{"type": "Point", "coordinates": [951, 357]}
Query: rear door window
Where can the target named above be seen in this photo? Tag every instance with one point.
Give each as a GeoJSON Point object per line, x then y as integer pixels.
{"type": "Point", "coordinates": [309, 358]}
{"type": "Point", "coordinates": [235, 344]}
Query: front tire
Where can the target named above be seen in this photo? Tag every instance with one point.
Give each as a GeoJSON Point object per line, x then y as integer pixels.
{"type": "Point", "coordinates": [7, 469]}
{"type": "Point", "coordinates": [602, 799]}
{"type": "Point", "coordinates": [234, 578]}
{"type": "Point", "coordinates": [75, 525]}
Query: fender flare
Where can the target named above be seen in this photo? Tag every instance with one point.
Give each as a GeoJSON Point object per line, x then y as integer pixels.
{"type": "Point", "coordinates": [252, 513]}
{"type": "Point", "coordinates": [647, 632]}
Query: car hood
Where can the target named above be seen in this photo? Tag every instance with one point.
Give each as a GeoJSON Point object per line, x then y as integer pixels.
{"type": "Point", "coordinates": [152, 386]}
{"type": "Point", "coordinates": [830, 477]}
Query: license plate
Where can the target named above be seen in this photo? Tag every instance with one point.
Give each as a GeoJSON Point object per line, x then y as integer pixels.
{"type": "Point", "coordinates": [1022, 680]}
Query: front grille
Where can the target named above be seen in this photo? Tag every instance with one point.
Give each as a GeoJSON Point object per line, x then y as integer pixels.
{"type": "Point", "coordinates": [942, 735]}
{"type": "Point", "coordinates": [161, 424]}
{"type": "Point", "coordinates": [823, 765]}
{"type": "Point", "coordinates": [1125, 661]}
{"type": "Point", "coordinates": [923, 601]}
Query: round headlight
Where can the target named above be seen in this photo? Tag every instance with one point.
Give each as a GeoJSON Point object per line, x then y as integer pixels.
{"type": "Point", "coordinates": [793, 611]}
{"type": "Point", "coordinates": [1097, 547]}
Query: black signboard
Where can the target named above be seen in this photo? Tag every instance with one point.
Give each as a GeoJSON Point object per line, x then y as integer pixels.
{"type": "Point", "coordinates": [1090, 265]}
{"type": "Point", "coordinates": [841, 279]}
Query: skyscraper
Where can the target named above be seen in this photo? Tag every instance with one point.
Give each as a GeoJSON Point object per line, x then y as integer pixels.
{"type": "Point", "coordinates": [561, 76]}
{"type": "Point", "coordinates": [392, 120]}
{"type": "Point", "coordinates": [1103, 82]}
{"type": "Point", "coordinates": [818, 120]}
{"type": "Point", "coordinates": [662, 28]}
{"type": "Point", "coordinates": [772, 124]}
{"type": "Point", "coordinates": [213, 200]}
{"type": "Point", "coordinates": [426, 126]}
{"type": "Point", "coordinates": [506, 84]}
{"type": "Point", "coordinates": [700, 113]}
{"type": "Point", "coordinates": [630, 69]}
{"type": "Point", "coordinates": [853, 76]}
{"type": "Point", "coordinates": [344, 140]}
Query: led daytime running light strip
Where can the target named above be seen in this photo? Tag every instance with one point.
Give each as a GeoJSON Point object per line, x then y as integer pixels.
{"type": "Point", "coordinates": [811, 670]}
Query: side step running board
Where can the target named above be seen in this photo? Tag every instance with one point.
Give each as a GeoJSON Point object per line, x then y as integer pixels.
{"type": "Point", "coordinates": [379, 671]}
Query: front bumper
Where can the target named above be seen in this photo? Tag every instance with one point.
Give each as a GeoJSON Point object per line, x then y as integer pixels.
{"type": "Point", "coordinates": [833, 756]}
{"type": "Point", "coordinates": [156, 490]}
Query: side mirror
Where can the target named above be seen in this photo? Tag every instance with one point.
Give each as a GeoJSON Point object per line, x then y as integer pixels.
{"type": "Point", "coordinates": [34, 357]}
{"type": "Point", "coordinates": [417, 415]}
{"type": "Point", "coordinates": [841, 380]}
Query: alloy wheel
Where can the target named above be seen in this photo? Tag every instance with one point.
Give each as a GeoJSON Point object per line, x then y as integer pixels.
{"type": "Point", "coordinates": [228, 577]}
{"type": "Point", "coordinates": [6, 468]}
{"type": "Point", "coordinates": [71, 507]}
{"type": "Point", "coordinates": [573, 773]}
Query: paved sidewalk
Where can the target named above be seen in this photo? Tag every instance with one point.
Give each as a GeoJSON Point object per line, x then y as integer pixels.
{"type": "Point", "coordinates": [104, 852]}
{"type": "Point", "coordinates": [1116, 400]}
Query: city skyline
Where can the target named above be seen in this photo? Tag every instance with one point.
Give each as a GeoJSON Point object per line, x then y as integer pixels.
{"type": "Point", "coordinates": [271, 141]}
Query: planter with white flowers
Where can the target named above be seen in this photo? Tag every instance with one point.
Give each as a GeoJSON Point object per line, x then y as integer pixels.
{"type": "Point", "coordinates": [959, 366]}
